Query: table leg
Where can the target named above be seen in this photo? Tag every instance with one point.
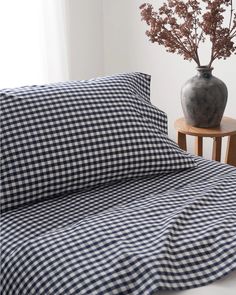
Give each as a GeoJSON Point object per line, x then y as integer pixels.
{"type": "Point", "coordinates": [231, 151]}
{"type": "Point", "coordinates": [198, 145]}
{"type": "Point", "coordinates": [216, 153]}
{"type": "Point", "coordinates": [182, 141]}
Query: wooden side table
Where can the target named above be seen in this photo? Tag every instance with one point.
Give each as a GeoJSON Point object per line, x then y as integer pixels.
{"type": "Point", "coordinates": [226, 128]}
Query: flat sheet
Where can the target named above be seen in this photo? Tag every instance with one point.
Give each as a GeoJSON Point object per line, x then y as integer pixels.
{"type": "Point", "coordinates": [166, 232]}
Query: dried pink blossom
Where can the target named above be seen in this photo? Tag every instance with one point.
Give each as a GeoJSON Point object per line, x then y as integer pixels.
{"type": "Point", "coordinates": [180, 26]}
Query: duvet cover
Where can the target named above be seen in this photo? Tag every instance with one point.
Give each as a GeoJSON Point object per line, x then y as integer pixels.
{"type": "Point", "coordinates": [166, 232]}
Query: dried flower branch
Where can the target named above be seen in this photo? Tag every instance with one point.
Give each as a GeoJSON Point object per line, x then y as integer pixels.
{"type": "Point", "coordinates": [180, 26]}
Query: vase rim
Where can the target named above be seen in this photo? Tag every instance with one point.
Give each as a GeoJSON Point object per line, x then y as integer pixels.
{"type": "Point", "coordinates": [203, 68]}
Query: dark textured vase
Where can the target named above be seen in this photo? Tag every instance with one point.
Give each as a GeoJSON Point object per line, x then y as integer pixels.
{"type": "Point", "coordinates": [203, 99]}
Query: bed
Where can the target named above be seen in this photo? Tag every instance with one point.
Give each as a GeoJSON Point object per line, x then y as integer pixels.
{"type": "Point", "coordinates": [132, 215]}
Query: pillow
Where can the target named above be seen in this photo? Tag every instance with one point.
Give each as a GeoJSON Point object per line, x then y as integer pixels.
{"type": "Point", "coordinates": [69, 136]}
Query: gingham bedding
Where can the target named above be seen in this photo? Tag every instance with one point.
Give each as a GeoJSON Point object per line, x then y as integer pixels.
{"type": "Point", "coordinates": [166, 232]}
{"type": "Point", "coordinates": [63, 137]}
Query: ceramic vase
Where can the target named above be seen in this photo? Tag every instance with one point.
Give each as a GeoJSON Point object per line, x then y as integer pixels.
{"type": "Point", "coordinates": [203, 99]}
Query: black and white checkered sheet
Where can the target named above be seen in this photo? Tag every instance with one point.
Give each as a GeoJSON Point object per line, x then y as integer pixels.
{"type": "Point", "coordinates": [172, 231]}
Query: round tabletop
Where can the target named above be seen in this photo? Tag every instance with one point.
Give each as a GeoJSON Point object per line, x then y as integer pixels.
{"type": "Point", "coordinates": [226, 128]}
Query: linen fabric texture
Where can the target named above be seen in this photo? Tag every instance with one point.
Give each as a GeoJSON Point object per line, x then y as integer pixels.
{"type": "Point", "coordinates": [65, 137]}
{"type": "Point", "coordinates": [139, 236]}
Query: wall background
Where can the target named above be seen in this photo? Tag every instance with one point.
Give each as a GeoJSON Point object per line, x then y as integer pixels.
{"type": "Point", "coordinates": [84, 26]}
{"type": "Point", "coordinates": [58, 40]}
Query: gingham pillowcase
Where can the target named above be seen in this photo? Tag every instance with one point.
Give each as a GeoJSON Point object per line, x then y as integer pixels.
{"type": "Point", "coordinates": [64, 137]}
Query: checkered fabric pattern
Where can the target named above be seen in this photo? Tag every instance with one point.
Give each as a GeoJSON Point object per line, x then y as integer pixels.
{"type": "Point", "coordinates": [168, 232]}
{"type": "Point", "coordinates": [63, 137]}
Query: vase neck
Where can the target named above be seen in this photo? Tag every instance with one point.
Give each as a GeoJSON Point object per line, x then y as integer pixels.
{"type": "Point", "coordinates": [204, 72]}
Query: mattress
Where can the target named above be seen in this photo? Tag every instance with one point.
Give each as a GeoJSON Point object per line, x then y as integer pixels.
{"type": "Point", "coordinates": [226, 286]}
{"type": "Point", "coordinates": [33, 235]}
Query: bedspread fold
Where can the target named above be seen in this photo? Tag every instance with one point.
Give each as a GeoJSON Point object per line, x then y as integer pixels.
{"type": "Point", "coordinates": [174, 240]}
